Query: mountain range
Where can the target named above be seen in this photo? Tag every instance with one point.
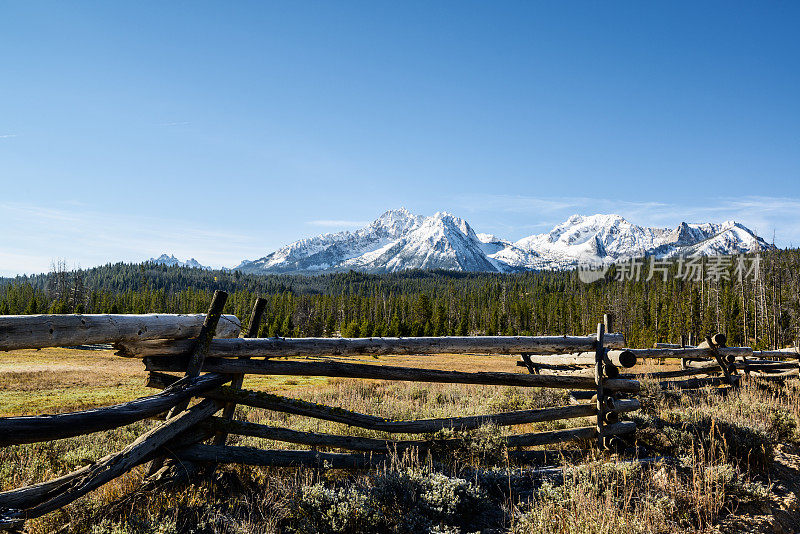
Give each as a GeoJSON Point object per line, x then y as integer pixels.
{"type": "Point", "coordinates": [399, 240]}
{"type": "Point", "coordinates": [171, 260]}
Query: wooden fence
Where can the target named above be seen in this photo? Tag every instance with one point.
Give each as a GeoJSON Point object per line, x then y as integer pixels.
{"type": "Point", "coordinates": [711, 363]}
{"type": "Point", "coordinates": [213, 362]}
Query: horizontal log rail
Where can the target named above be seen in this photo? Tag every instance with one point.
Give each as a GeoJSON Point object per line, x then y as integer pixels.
{"type": "Point", "coordinates": [244, 428]}
{"type": "Point", "coordinates": [31, 429]}
{"type": "Point", "coordinates": [568, 434]}
{"type": "Point", "coordinates": [257, 399]}
{"type": "Point", "coordinates": [706, 368]}
{"type": "Point", "coordinates": [692, 371]}
{"type": "Point", "coordinates": [696, 383]}
{"type": "Point", "coordinates": [779, 354]}
{"type": "Point", "coordinates": [619, 358]}
{"type": "Point", "coordinates": [697, 352]}
{"type": "Point", "coordinates": [385, 372]}
{"type": "Point", "coordinates": [260, 347]}
{"type": "Point", "coordinates": [279, 458]}
{"type": "Point", "coordinates": [776, 376]}
{"type": "Point", "coordinates": [757, 365]}
{"type": "Point", "coordinates": [289, 458]}
{"type": "Point", "coordinates": [40, 331]}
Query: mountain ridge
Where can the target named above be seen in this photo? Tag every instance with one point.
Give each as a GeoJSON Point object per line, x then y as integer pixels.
{"type": "Point", "coordinates": [399, 240]}
{"type": "Point", "coordinates": [170, 260]}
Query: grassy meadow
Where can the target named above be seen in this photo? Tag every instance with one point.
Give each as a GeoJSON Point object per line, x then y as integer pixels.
{"type": "Point", "coordinates": [732, 459]}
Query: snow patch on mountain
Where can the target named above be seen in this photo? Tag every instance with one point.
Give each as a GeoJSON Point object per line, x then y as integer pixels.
{"type": "Point", "coordinates": [400, 240]}
{"type": "Point", "coordinates": [171, 261]}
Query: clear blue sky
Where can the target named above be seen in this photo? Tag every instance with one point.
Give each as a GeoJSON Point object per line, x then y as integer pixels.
{"type": "Point", "coordinates": [224, 130]}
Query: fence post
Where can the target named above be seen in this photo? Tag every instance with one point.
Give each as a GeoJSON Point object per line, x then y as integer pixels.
{"type": "Point", "coordinates": [608, 322]}
{"type": "Point", "coordinates": [238, 380]}
{"type": "Point", "coordinates": [598, 378]}
{"type": "Point", "coordinates": [709, 343]}
{"type": "Point", "coordinates": [196, 360]}
{"type": "Point", "coordinates": [532, 367]}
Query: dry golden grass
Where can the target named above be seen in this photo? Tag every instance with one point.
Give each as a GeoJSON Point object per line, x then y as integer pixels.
{"type": "Point", "coordinates": [602, 495]}
{"type": "Point", "coordinates": [56, 380]}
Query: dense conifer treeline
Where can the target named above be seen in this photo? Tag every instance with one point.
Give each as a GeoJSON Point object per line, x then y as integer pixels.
{"type": "Point", "coordinates": [763, 312]}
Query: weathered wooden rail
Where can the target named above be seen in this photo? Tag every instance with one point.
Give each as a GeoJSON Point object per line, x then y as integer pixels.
{"type": "Point", "coordinates": [212, 361]}
{"type": "Point", "coordinates": [704, 363]}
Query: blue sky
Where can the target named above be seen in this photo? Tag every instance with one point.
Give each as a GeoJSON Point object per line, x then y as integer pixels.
{"type": "Point", "coordinates": [223, 130]}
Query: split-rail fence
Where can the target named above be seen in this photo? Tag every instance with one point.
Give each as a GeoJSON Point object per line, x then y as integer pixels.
{"type": "Point", "coordinates": [209, 356]}
{"type": "Point", "coordinates": [211, 362]}
{"type": "Point", "coordinates": [710, 363]}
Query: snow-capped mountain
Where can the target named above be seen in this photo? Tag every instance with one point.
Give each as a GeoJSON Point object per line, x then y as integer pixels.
{"type": "Point", "coordinates": [171, 260]}
{"type": "Point", "coordinates": [610, 238]}
{"type": "Point", "coordinates": [399, 240]}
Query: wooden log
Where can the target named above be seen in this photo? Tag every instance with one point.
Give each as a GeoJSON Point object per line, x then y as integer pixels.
{"type": "Point", "coordinates": [704, 370]}
{"type": "Point", "coordinates": [309, 409]}
{"type": "Point", "coordinates": [669, 346]}
{"type": "Point", "coordinates": [29, 496]}
{"type": "Point", "coordinates": [569, 434]}
{"type": "Point", "coordinates": [697, 352]}
{"type": "Point", "coordinates": [352, 442]}
{"type": "Point", "coordinates": [283, 458]}
{"type": "Point", "coordinates": [745, 364]}
{"type": "Point", "coordinates": [695, 383]}
{"type": "Point", "coordinates": [780, 354]}
{"type": "Point", "coordinates": [608, 322]}
{"type": "Point", "coordinates": [762, 365]}
{"type": "Point", "coordinates": [697, 363]}
{"type": "Point", "coordinates": [775, 376]}
{"type": "Point", "coordinates": [197, 357]}
{"type": "Point", "coordinates": [238, 380]}
{"type": "Point", "coordinates": [526, 362]}
{"type": "Point", "coordinates": [229, 348]}
{"type": "Point", "coordinates": [619, 358]}
{"type": "Point", "coordinates": [386, 372]}
{"type": "Point", "coordinates": [710, 344]}
{"type": "Point", "coordinates": [279, 458]}
{"type": "Point", "coordinates": [577, 360]}
{"type": "Point", "coordinates": [599, 378]}
{"type": "Point", "coordinates": [355, 443]}
{"type": "Point", "coordinates": [202, 343]}
{"type": "Point", "coordinates": [299, 407]}
{"type": "Point", "coordinates": [109, 468]}
{"type": "Point", "coordinates": [40, 331]}
{"type": "Point", "coordinates": [549, 367]}
{"type": "Point", "coordinates": [31, 429]}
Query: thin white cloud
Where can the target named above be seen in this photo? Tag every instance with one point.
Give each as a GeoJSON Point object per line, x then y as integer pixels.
{"type": "Point", "coordinates": [337, 223]}
{"type": "Point", "coordinates": [175, 123]}
{"type": "Point", "coordinates": [34, 236]}
{"type": "Point", "coordinates": [8, 136]}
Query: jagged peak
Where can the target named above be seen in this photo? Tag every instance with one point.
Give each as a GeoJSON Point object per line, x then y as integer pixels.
{"type": "Point", "coordinates": [165, 258]}
{"type": "Point", "coordinates": [605, 219]}
{"type": "Point", "coordinates": [396, 213]}
{"type": "Point", "coordinates": [399, 239]}
{"type": "Point", "coordinates": [171, 259]}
